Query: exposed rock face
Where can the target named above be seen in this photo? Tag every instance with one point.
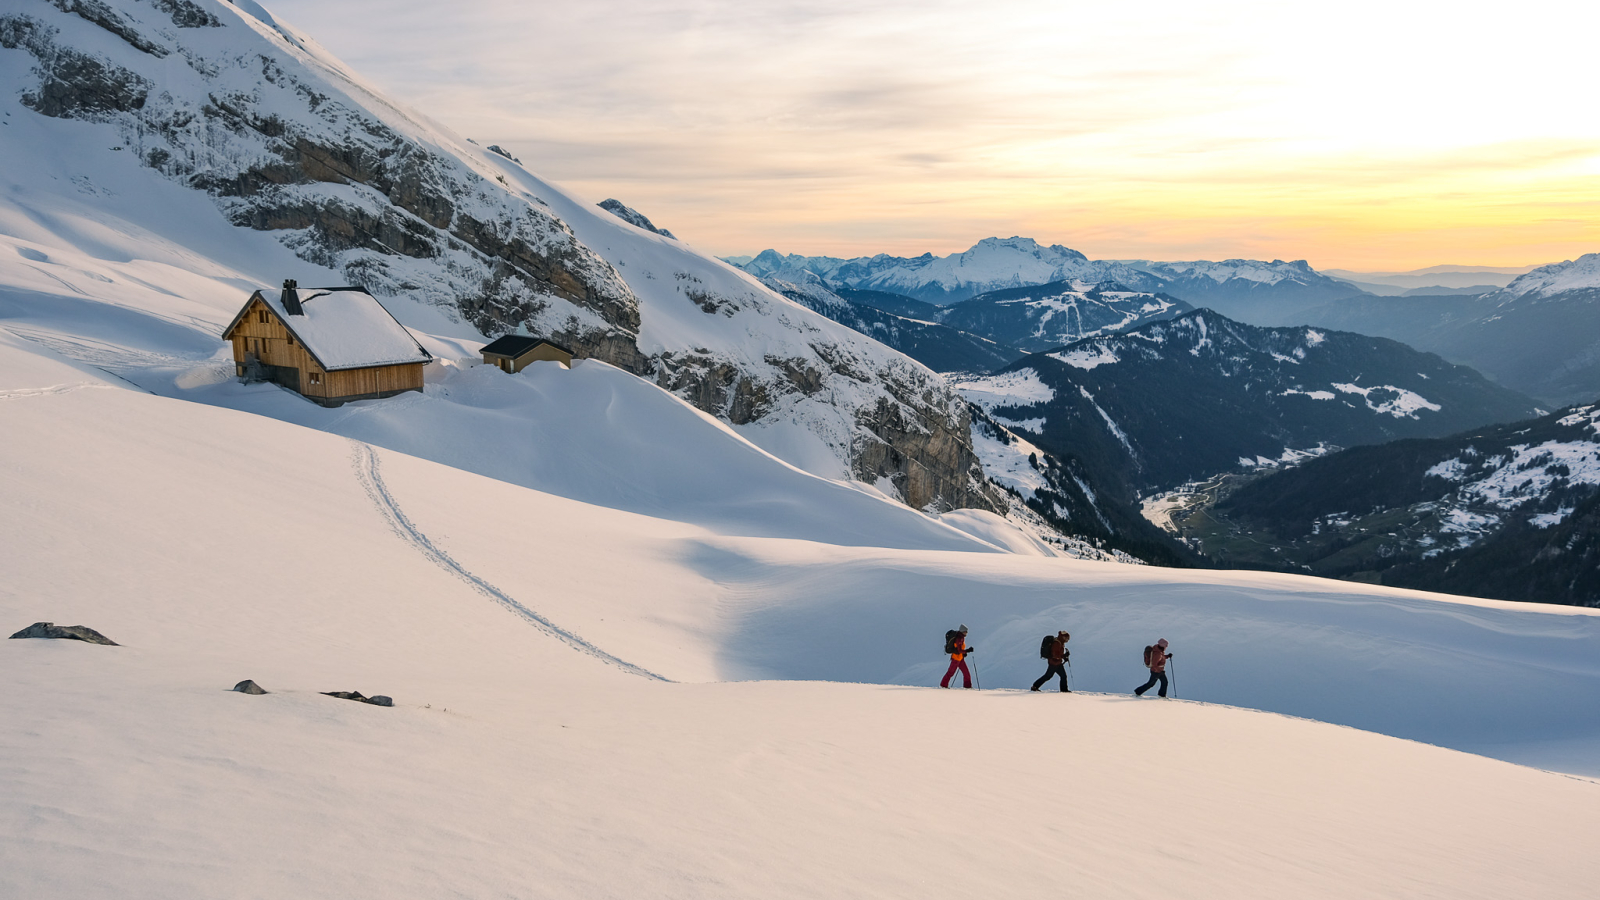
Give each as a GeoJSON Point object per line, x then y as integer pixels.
{"type": "Point", "coordinates": [927, 460]}
{"type": "Point", "coordinates": [375, 700]}
{"type": "Point", "coordinates": [630, 215]}
{"type": "Point", "coordinates": [64, 632]}
{"type": "Point", "coordinates": [249, 687]}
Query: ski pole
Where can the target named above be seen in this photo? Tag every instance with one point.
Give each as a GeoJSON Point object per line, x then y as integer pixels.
{"type": "Point", "coordinates": [975, 679]}
{"type": "Point", "coordinates": [1174, 677]}
{"type": "Point", "coordinates": [1069, 673]}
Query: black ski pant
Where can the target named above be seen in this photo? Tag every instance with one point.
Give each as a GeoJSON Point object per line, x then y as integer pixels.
{"type": "Point", "coordinates": [1154, 677]}
{"type": "Point", "coordinates": [1055, 669]}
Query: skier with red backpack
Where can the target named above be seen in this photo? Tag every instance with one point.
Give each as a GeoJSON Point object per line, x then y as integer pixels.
{"type": "Point", "coordinates": [1054, 649]}
{"type": "Point", "coordinates": [1155, 657]}
{"type": "Point", "coordinates": [955, 644]}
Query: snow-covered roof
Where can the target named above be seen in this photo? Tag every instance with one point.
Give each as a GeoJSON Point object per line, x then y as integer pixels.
{"type": "Point", "coordinates": [344, 328]}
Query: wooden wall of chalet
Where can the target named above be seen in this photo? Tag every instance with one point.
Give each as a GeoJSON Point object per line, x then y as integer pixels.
{"type": "Point", "coordinates": [376, 381]}
{"type": "Point", "coordinates": [261, 332]}
{"type": "Point", "coordinates": [541, 352]}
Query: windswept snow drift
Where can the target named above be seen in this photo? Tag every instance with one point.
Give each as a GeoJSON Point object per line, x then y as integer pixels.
{"type": "Point", "coordinates": [539, 744]}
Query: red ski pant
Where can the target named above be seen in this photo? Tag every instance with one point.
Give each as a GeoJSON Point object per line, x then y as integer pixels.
{"type": "Point", "coordinates": [966, 676]}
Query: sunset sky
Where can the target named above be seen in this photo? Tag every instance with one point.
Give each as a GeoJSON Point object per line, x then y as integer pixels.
{"type": "Point", "coordinates": [1370, 136]}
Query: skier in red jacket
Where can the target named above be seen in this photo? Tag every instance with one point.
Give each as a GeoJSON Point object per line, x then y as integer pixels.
{"type": "Point", "coordinates": [958, 659]}
{"type": "Point", "coordinates": [1155, 657]}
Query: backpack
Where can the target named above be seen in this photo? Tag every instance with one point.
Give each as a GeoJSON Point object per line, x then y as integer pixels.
{"type": "Point", "coordinates": [950, 640]}
{"type": "Point", "coordinates": [1147, 652]}
{"type": "Point", "coordinates": [1046, 645]}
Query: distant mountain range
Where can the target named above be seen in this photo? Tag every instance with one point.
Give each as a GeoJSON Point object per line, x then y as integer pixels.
{"type": "Point", "coordinates": [1537, 332]}
{"type": "Point", "coordinates": [1540, 334]}
{"type": "Point", "coordinates": [1173, 401]}
{"type": "Point", "coordinates": [1234, 287]}
{"type": "Point", "coordinates": [1432, 280]}
{"type": "Point", "coordinates": [939, 347]}
{"type": "Point", "coordinates": [985, 332]}
{"type": "Point", "coordinates": [990, 265]}
{"type": "Point", "coordinates": [1510, 511]}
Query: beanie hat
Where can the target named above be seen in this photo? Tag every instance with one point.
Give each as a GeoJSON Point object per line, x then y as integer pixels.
{"type": "Point", "coordinates": [962, 629]}
{"type": "Point", "coordinates": [1162, 643]}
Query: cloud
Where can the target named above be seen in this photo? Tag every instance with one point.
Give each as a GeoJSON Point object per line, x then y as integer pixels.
{"type": "Point", "coordinates": [852, 128]}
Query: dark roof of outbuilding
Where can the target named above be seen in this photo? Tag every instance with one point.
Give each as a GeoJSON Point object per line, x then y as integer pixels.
{"type": "Point", "coordinates": [514, 345]}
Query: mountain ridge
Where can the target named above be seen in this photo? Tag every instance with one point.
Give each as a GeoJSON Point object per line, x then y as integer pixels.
{"type": "Point", "coordinates": [1187, 398]}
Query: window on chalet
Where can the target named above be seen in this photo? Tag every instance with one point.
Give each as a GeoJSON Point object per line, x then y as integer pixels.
{"type": "Point", "coordinates": [261, 316]}
{"type": "Point", "coordinates": [316, 377]}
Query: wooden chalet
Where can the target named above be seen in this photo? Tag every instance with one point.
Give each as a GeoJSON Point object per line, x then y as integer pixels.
{"type": "Point", "coordinates": [513, 352]}
{"type": "Point", "coordinates": [330, 345]}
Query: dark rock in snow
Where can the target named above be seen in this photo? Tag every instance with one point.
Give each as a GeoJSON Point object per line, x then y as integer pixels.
{"type": "Point", "coordinates": [496, 148]}
{"type": "Point", "coordinates": [630, 215]}
{"type": "Point", "coordinates": [64, 632]}
{"type": "Point", "coordinates": [376, 700]}
{"type": "Point", "coordinates": [248, 687]}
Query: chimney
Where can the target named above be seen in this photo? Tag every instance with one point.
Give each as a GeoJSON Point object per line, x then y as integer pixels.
{"type": "Point", "coordinates": [291, 299]}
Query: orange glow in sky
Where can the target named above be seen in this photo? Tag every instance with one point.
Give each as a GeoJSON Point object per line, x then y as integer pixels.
{"type": "Point", "coordinates": [1359, 135]}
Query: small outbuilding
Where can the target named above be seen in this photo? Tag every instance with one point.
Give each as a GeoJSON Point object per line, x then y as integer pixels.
{"type": "Point", "coordinates": [513, 352]}
{"type": "Point", "coordinates": [331, 345]}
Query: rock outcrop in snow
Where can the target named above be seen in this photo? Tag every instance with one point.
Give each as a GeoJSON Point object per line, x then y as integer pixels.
{"type": "Point", "coordinates": [630, 215]}
{"type": "Point", "coordinates": [50, 630]}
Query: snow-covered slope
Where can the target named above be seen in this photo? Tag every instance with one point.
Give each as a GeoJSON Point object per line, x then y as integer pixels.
{"type": "Point", "coordinates": [558, 728]}
{"type": "Point", "coordinates": [1581, 274]}
{"type": "Point", "coordinates": [229, 147]}
{"type": "Point", "coordinates": [1046, 316]}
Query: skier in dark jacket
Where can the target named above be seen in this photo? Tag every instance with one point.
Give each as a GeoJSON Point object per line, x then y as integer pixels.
{"type": "Point", "coordinates": [958, 660]}
{"type": "Point", "coordinates": [1157, 661]}
{"type": "Point", "coordinates": [1059, 654]}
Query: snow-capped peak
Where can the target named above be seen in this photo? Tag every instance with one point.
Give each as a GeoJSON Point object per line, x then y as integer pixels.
{"type": "Point", "coordinates": [1230, 269]}
{"type": "Point", "coordinates": [1578, 274]}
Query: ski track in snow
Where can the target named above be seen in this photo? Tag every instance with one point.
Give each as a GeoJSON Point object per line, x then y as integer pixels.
{"type": "Point", "coordinates": [368, 470]}
{"type": "Point", "coordinates": [20, 393]}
